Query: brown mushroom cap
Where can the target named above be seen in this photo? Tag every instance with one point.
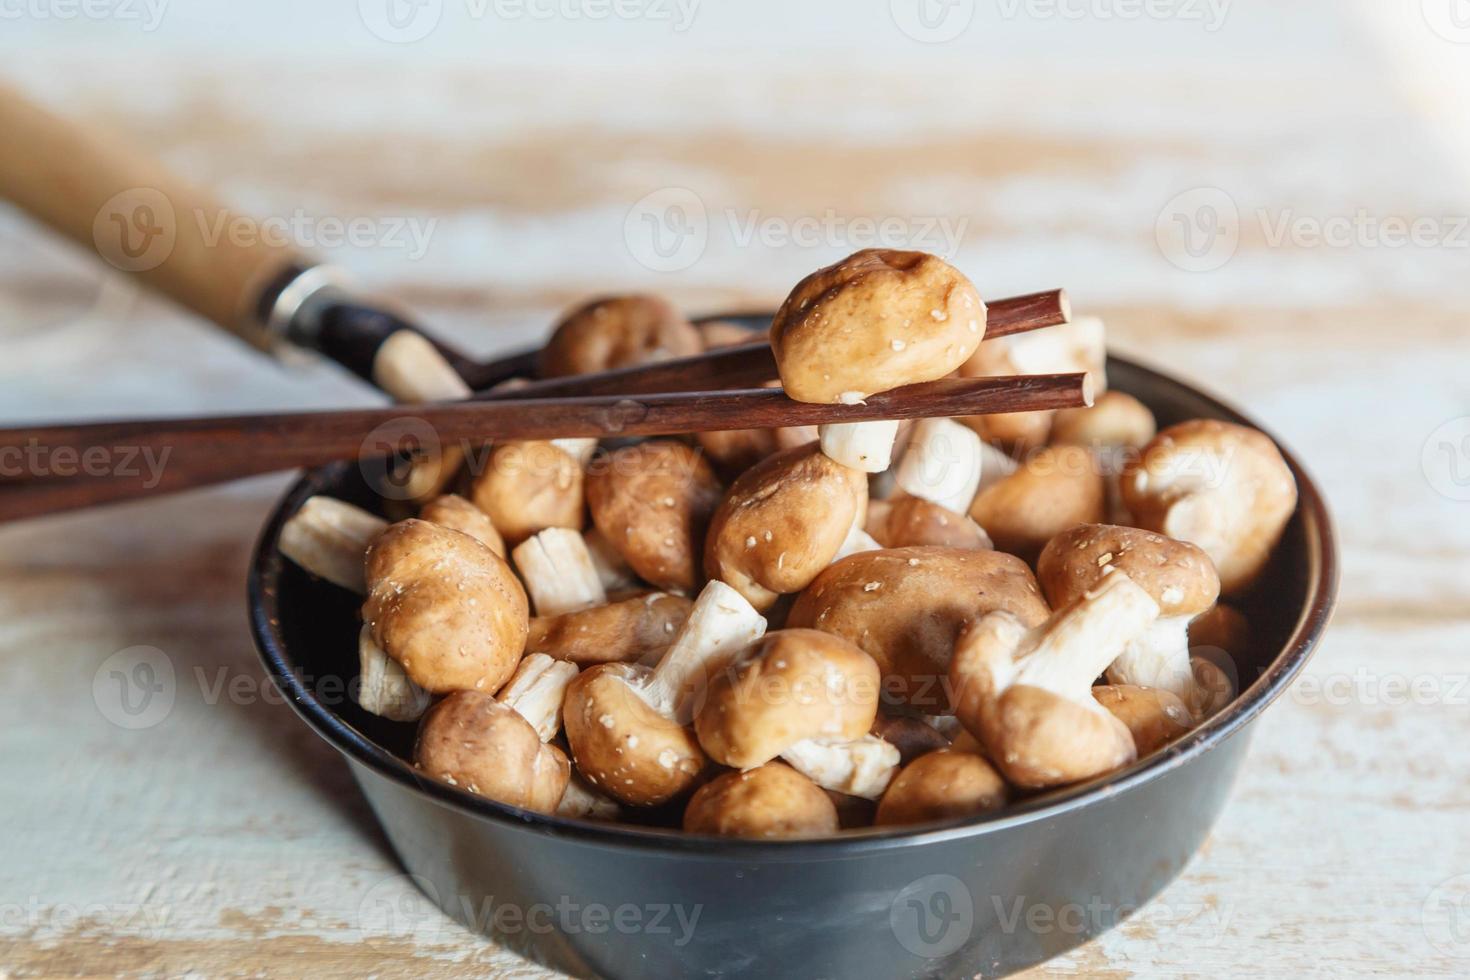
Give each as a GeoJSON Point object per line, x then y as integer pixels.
{"type": "Point", "coordinates": [877, 320]}
{"type": "Point", "coordinates": [723, 333]}
{"type": "Point", "coordinates": [527, 487]}
{"type": "Point", "coordinates": [1155, 717]}
{"type": "Point", "coordinates": [782, 522]}
{"type": "Point", "coordinates": [458, 514]}
{"type": "Point", "coordinates": [942, 785]}
{"type": "Point", "coordinates": [619, 632]}
{"type": "Point", "coordinates": [1115, 420]}
{"type": "Point", "coordinates": [652, 502]}
{"type": "Point", "coordinates": [1223, 627]}
{"type": "Point", "coordinates": [791, 685]}
{"type": "Point", "coordinates": [617, 332]}
{"type": "Point", "coordinates": [915, 522]}
{"type": "Point", "coordinates": [1053, 489]}
{"type": "Point", "coordinates": [733, 451]}
{"type": "Point", "coordinates": [1015, 432]}
{"type": "Point", "coordinates": [911, 736]}
{"type": "Point", "coordinates": [446, 607]}
{"type": "Point", "coordinates": [1180, 577]}
{"type": "Point", "coordinates": [621, 744]}
{"type": "Point", "coordinates": [771, 801]}
{"type": "Point", "coordinates": [472, 741]}
{"type": "Point", "coordinates": [906, 607]}
{"type": "Point", "coordinates": [1223, 486]}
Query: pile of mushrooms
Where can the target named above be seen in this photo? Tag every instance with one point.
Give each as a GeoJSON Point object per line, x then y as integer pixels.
{"type": "Point", "coordinates": [790, 633]}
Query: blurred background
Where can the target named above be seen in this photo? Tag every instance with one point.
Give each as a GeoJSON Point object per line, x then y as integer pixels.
{"type": "Point", "coordinates": [1269, 199]}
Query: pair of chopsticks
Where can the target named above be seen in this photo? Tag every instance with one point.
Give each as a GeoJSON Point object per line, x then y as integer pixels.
{"type": "Point", "coordinates": [54, 468]}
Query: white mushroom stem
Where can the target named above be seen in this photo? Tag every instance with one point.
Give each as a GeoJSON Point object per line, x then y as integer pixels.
{"type": "Point", "coordinates": [329, 538]}
{"type": "Point", "coordinates": [942, 463]}
{"type": "Point", "coordinates": [856, 542]}
{"type": "Point", "coordinates": [383, 689]}
{"type": "Point", "coordinates": [1158, 658]}
{"type": "Point", "coordinates": [864, 446]}
{"type": "Point", "coordinates": [720, 625]}
{"type": "Point", "coordinates": [536, 691]}
{"type": "Point", "coordinates": [1080, 345]}
{"type": "Point", "coordinates": [559, 573]}
{"type": "Point", "coordinates": [612, 570]}
{"type": "Point", "coordinates": [995, 465]}
{"type": "Point", "coordinates": [862, 767]}
{"type": "Point", "coordinates": [579, 449]}
{"type": "Point", "coordinates": [583, 802]}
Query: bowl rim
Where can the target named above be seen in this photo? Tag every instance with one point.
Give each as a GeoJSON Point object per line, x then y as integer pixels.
{"type": "Point", "coordinates": [1322, 573]}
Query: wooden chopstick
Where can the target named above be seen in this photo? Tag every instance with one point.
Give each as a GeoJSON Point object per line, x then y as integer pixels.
{"type": "Point", "coordinates": [129, 459]}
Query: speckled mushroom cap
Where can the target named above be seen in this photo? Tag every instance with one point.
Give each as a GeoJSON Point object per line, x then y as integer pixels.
{"type": "Point", "coordinates": [914, 522]}
{"type": "Point", "coordinates": [791, 685]}
{"type": "Point", "coordinates": [942, 785]}
{"type": "Point", "coordinates": [444, 606]}
{"type": "Point", "coordinates": [458, 514]}
{"type": "Point", "coordinates": [621, 744]}
{"type": "Point", "coordinates": [1155, 717]}
{"type": "Point", "coordinates": [472, 741]}
{"type": "Point", "coordinates": [617, 332]}
{"type": "Point", "coordinates": [653, 502]}
{"type": "Point", "coordinates": [771, 801]}
{"type": "Point", "coordinates": [1179, 576]}
{"type": "Point", "coordinates": [782, 522]}
{"type": "Point", "coordinates": [906, 606]}
{"type": "Point", "coordinates": [1053, 489]}
{"type": "Point", "coordinates": [1223, 486]}
{"type": "Point", "coordinates": [877, 320]}
{"type": "Point", "coordinates": [529, 486]}
{"type": "Point", "coordinates": [619, 632]}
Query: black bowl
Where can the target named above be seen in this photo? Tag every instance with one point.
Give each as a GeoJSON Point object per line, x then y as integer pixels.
{"type": "Point", "coordinates": [945, 900]}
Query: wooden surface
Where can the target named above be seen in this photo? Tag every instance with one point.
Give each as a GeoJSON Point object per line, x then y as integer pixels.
{"type": "Point", "coordinates": [224, 839]}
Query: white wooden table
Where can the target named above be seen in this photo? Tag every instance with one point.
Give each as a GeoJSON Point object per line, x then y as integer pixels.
{"type": "Point", "coordinates": [223, 839]}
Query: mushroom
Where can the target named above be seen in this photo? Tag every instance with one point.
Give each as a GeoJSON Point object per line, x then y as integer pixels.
{"type": "Point", "coordinates": [617, 332]}
{"type": "Point", "coordinates": [527, 487]}
{"type": "Point", "coordinates": [1218, 639]}
{"type": "Point", "coordinates": [733, 451]}
{"type": "Point", "coordinates": [1027, 694]}
{"type": "Point", "coordinates": [912, 737]}
{"type": "Point", "coordinates": [914, 522]}
{"type": "Point", "coordinates": [617, 578]}
{"type": "Point", "coordinates": [942, 785]}
{"type": "Point", "coordinates": [537, 690]}
{"type": "Point", "coordinates": [383, 689]}
{"type": "Point", "coordinates": [1116, 427]}
{"type": "Point", "coordinates": [625, 722]}
{"type": "Point", "coordinates": [1178, 577]}
{"type": "Point", "coordinates": [782, 522]}
{"type": "Point", "coordinates": [807, 697]}
{"type": "Point", "coordinates": [1155, 717]}
{"type": "Point", "coordinates": [329, 538]}
{"type": "Point", "coordinates": [582, 802]}
{"type": "Point", "coordinates": [1219, 485]}
{"type": "Point", "coordinates": [715, 334]}
{"type": "Point", "coordinates": [770, 801]}
{"type": "Point", "coordinates": [445, 607]}
{"type": "Point", "coordinates": [619, 632]}
{"type": "Point", "coordinates": [906, 606]}
{"type": "Point", "coordinates": [1053, 489]}
{"type": "Point", "coordinates": [558, 571]}
{"type": "Point", "coordinates": [943, 463]}
{"type": "Point", "coordinates": [652, 502]}
{"type": "Point", "coordinates": [455, 512]}
{"type": "Point", "coordinates": [482, 745]}
{"type": "Point", "coordinates": [1222, 627]}
{"type": "Point", "coordinates": [879, 319]}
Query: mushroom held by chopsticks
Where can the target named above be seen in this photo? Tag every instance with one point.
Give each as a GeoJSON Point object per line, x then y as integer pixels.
{"type": "Point", "coordinates": [906, 607]}
{"type": "Point", "coordinates": [471, 740]}
{"type": "Point", "coordinates": [879, 319]}
{"type": "Point", "coordinates": [627, 631]}
{"type": "Point", "coordinates": [617, 332]}
{"type": "Point", "coordinates": [1026, 694]}
{"type": "Point", "coordinates": [942, 785]}
{"type": "Point", "coordinates": [625, 722]}
{"type": "Point", "coordinates": [1176, 574]}
{"type": "Point", "coordinates": [652, 502]}
{"type": "Point", "coordinates": [807, 697]}
{"type": "Point", "coordinates": [1155, 717]}
{"type": "Point", "coordinates": [445, 607]}
{"type": "Point", "coordinates": [782, 522]}
{"type": "Point", "coordinates": [1219, 485]}
{"type": "Point", "coordinates": [1053, 489]}
{"type": "Point", "coordinates": [770, 801]}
